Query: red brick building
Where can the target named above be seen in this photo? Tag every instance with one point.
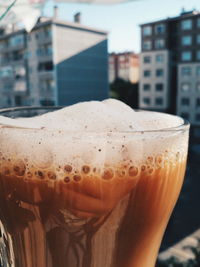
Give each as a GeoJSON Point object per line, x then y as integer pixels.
{"type": "Point", "coordinates": [125, 66]}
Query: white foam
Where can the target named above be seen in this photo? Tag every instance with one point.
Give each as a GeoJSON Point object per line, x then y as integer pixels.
{"type": "Point", "coordinates": [107, 116]}
{"type": "Point", "coordinates": [97, 133]}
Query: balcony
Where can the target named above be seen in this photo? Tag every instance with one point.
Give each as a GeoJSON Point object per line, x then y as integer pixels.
{"type": "Point", "coordinates": [45, 58]}
{"type": "Point", "coordinates": [45, 53]}
{"type": "Point", "coordinates": [44, 36]}
{"type": "Point", "coordinates": [47, 102]}
{"type": "Point", "coordinates": [45, 70]}
{"type": "Point", "coordinates": [47, 93]}
{"type": "Point", "coordinates": [6, 87]}
{"type": "Point", "coordinates": [44, 74]}
{"type": "Point", "coordinates": [20, 87]}
{"type": "Point", "coordinates": [9, 48]}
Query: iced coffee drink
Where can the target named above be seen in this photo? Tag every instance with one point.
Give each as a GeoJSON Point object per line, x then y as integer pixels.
{"type": "Point", "coordinates": [90, 185]}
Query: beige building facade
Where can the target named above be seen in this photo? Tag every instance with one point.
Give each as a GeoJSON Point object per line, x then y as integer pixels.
{"type": "Point", "coordinates": [154, 80]}
{"type": "Point", "coordinates": [188, 99]}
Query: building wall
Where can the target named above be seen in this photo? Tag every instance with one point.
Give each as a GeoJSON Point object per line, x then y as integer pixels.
{"type": "Point", "coordinates": [149, 95]}
{"type": "Point", "coordinates": [81, 65]}
{"type": "Point", "coordinates": [13, 69]}
{"type": "Point", "coordinates": [41, 68]}
{"type": "Point", "coordinates": [34, 85]}
{"type": "Point", "coordinates": [124, 66]}
{"type": "Point", "coordinates": [180, 36]}
{"type": "Point", "coordinates": [112, 68]}
{"type": "Point", "coordinates": [188, 100]}
{"type": "Point", "coordinates": [57, 63]}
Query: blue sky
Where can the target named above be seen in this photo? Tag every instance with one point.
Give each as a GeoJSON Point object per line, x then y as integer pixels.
{"type": "Point", "coordinates": [122, 20]}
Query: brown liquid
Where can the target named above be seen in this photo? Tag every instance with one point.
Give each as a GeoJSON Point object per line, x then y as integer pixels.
{"type": "Point", "coordinates": [113, 219]}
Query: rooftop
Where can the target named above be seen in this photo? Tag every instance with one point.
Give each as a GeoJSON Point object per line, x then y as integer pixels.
{"type": "Point", "coordinates": [183, 15]}
{"type": "Point", "coordinates": [45, 21]}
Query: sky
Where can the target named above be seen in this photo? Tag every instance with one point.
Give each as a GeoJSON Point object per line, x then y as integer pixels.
{"type": "Point", "coordinates": [122, 20]}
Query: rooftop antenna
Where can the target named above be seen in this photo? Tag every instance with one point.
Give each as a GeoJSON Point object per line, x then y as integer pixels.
{"type": "Point", "coordinates": [182, 10]}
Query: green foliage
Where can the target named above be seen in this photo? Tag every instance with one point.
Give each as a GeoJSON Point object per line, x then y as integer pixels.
{"type": "Point", "coordinates": [125, 91]}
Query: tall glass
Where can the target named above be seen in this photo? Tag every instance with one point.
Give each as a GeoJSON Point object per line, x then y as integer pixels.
{"type": "Point", "coordinates": [86, 199]}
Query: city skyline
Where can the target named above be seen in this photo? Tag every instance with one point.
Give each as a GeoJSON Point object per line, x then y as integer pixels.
{"type": "Point", "coordinates": [122, 20]}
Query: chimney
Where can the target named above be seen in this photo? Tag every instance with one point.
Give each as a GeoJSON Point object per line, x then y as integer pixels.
{"type": "Point", "coordinates": [77, 17]}
{"type": "Point", "coordinates": [55, 12]}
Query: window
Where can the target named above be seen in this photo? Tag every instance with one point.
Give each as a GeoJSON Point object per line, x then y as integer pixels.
{"type": "Point", "coordinates": [147, 73]}
{"type": "Point", "coordinates": [39, 52]}
{"type": "Point", "coordinates": [185, 87]}
{"type": "Point", "coordinates": [198, 102]}
{"type": "Point", "coordinates": [19, 72]}
{"type": "Point", "coordinates": [159, 43]}
{"type": "Point", "coordinates": [198, 55]}
{"type": "Point", "coordinates": [46, 66]}
{"type": "Point", "coordinates": [146, 87]}
{"type": "Point", "coordinates": [147, 30]}
{"type": "Point", "coordinates": [159, 58]}
{"type": "Point", "coordinates": [146, 100]}
{"type": "Point", "coordinates": [9, 101]}
{"type": "Point", "coordinates": [49, 50]}
{"type": "Point", "coordinates": [6, 72]}
{"type": "Point", "coordinates": [198, 38]}
{"type": "Point", "coordinates": [160, 29]}
{"type": "Point", "coordinates": [147, 45]}
{"type": "Point", "coordinates": [159, 101]}
{"type": "Point", "coordinates": [198, 22]}
{"type": "Point", "coordinates": [159, 87]}
{"type": "Point", "coordinates": [31, 86]}
{"type": "Point", "coordinates": [198, 70]}
{"type": "Point", "coordinates": [16, 40]}
{"type": "Point", "coordinates": [198, 87]}
{"type": "Point", "coordinates": [185, 101]}
{"type": "Point", "coordinates": [197, 117]}
{"type": "Point", "coordinates": [186, 56]}
{"type": "Point", "coordinates": [185, 115]}
{"type": "Point", "coordinates": [20, 86]}
{"type": "Point", "coordinates": [159, 72]}
{"type": "Point", "coordinates": [47, 102]}
{"type": "Point", "coordinates": [48, 32]}
{"type": "Point", "coordinates": [17, 55]}
{"type": "Point", "coordinates": [147, 59]}
{"type": "Point", "coordinates": [50, 85]}
{"type": "Point", "coordinates": [28, 54]}
{"type": "Point", "coordinates": [186, 71]}
{"type": "Point", "coordinates": [186, 24]}
{"type": "Point", "coordinates": [18, 100]}
{"type": "Point", "coordinates": [186, 40]}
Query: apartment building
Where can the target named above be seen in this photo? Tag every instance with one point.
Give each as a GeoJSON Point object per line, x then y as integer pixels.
{"type": "Point", "coordinates": [170, 66]}
{"type": "Point", "coordinates": [125, 66]}
{"type": "Point", "coordinates": [57, 63]}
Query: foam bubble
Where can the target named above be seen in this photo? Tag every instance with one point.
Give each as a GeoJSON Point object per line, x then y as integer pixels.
{"type": "Point", "coordinates": [107, 116]}
{"type": "Point", "coordinates": [91, 135]}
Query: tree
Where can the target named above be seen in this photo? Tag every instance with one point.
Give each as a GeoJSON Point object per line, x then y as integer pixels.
{"type": "Point", "coordinates": [125, 91]}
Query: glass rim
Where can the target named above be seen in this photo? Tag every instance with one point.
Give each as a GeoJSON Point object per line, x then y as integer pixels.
{"type": "Point", "coordinates": [182, 127]}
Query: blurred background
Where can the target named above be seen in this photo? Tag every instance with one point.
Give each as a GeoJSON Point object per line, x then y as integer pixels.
{"type": "Point", "coordinates": [145, 53]}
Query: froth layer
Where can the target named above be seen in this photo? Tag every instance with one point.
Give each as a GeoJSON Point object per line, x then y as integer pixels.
{"type": "Point", "coordinates": [107, 116]}
{"type": "Point", "coordinates": [101, 135]}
